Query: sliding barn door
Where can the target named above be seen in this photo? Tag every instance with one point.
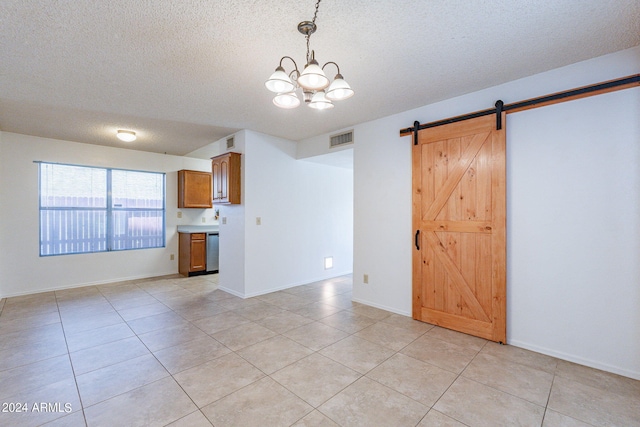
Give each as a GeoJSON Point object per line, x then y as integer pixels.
{"type": "Point", "coordinates": [459, 257]}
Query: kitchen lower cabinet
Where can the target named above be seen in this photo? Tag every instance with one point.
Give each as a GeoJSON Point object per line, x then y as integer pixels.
{"type": "Point", "coordinates": [192, 248]}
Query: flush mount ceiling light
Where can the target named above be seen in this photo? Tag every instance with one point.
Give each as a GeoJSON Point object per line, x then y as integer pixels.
{"type": "Point", "coordinates": [317, 91]}
{"type": "Point", "coordinates": [126, 135]}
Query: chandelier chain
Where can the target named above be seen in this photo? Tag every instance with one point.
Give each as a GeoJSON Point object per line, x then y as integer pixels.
{"type": "Point", "coordinates": [313, 21]}
{"type": "Point", "coordinates": [315, 15]}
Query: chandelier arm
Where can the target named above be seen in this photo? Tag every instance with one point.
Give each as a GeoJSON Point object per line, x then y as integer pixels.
{"type": "Point", "coordinates": [295, 66]}
{"type": "Point", "coordinates": [331, 62]}
{"type": "Point", "coordinates": [293, 75]}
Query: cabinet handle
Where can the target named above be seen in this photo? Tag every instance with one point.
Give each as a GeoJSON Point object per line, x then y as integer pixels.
{"type": "Point", "coordinates": [417, 237]}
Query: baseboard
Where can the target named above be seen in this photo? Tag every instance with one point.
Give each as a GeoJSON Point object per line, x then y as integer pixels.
{"type": "Point", "coordinates": [382, 307]}
{"type": "Point", "coordinates": [576, 359]}
{"type": "Point", "coordinates": [82, 285]}
{"type": "Point", "coordinates": [279, 288]}
{"type": "Point", "coordinates": [231, 291]}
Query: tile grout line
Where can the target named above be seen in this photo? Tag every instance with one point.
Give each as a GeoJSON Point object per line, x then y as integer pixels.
{"type": "Point", "coordinates": [282, 335]}
{"type": "Point", "coordinates": [136, 335]}
{"type": "Point", "coordinates": [458, 375]}
{"type": "Point", "coordinates": [546, 406]}
{"type": "Point", "coordinates": [150, 352]}
{"type": "Point", "coordinates": [270, 376]}
{"type": "Point", "coordinates": [236, 353]}
{"type": "Point", "coordinates": [73, 372]}
{"type": "Point", "coordinates": [171, 375]}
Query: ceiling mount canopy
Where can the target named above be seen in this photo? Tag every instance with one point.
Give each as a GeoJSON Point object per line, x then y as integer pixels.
{"type": "Point", "coordinates": [317, 90]}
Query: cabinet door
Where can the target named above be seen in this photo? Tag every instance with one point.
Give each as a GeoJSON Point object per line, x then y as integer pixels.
{"type": "Point", "coordinates": [198, 253]}
{"type": "Point", "coordinates": [224, 180]}
{"type": "Point", "coordinates": [217, 180]}
{"type": "Point", "coordinates": [194, 189]}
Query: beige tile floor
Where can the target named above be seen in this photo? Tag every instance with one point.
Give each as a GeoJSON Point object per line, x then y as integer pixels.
{"type": "Point", "coordinates": [179, 352]}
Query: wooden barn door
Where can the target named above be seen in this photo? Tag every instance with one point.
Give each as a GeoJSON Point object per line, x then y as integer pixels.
{"type": "Point", "coordinates": [459, 257]}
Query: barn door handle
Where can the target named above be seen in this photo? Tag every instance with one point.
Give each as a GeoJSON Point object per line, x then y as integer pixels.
{"type": "Point", "coordinates": [417, 237]}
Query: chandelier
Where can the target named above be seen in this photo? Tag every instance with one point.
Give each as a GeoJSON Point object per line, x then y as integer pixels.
{"type": "Point", "coordinates": [317, 91]}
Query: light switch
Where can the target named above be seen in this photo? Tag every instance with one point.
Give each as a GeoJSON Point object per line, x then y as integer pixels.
{"type": "Point", "coordinates": [179, 214]}
{"type": "Point", "coordinates": [224, 220]}
{"type": "Point", "coordinates": [258, 220]}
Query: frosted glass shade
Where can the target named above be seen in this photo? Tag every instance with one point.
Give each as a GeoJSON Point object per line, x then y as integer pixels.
{"type": "Point", "coordinates": [279, 82]}
{"type": "Point", "coordinates": [339, 89]}
{"type": "Point", "coordinates": [320, 102]}
{"type": "Point", "coordinates": [313, 77]}
{"type": "Point", "coordinates": [126, 135]}
{"type": "Point", "coordinates": [286, 100]}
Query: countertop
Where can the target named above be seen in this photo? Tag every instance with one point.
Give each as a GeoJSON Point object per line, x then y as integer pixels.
{"type": "Point", "coordinates": [198, 228]}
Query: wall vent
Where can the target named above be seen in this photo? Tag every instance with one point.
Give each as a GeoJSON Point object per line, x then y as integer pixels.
{"type": "Point", "coordinates": [231, 143]}
{"type": "Point", "coordinates": [341, 139]}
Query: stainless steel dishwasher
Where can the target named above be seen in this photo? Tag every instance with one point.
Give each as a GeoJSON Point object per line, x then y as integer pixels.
{"type": "Point", "coordinates": [213, 252]}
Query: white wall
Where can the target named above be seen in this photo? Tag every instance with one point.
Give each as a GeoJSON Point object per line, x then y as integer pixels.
{"type": "Point", "coordinates": [574, 230]}
{"type": "Point", "coordinates": [232, 220]}
{"type": "Point", "coordinates": [306, 212]}
{"type": "Point", "coordinates": [383, 235]}
{"type": "Point", "coordinates": [24, 271]}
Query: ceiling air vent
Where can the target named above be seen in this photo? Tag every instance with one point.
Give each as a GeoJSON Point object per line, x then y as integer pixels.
{"type": "Point", "coordinates": [230, 143]}
{"type": "Point", "coordinates": [341, 139]}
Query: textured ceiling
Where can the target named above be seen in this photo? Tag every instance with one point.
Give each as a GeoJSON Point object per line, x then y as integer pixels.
{"type": "Point", "coordinates": [184, 73]}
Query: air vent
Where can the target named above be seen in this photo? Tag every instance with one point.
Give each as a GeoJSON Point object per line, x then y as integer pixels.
{"type": "Point", "coordinates": [341, 139]}
{"type": "Point", "coordinates": [230, 143]}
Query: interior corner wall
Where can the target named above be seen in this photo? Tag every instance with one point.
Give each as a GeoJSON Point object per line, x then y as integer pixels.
{"type": "Point", "coordinates": [383, 234]}
{"type": "Point", "coordinates": [24, 271]}
{"type": "Point", "coordinates": [231, 221]}
{"type": "Point", "coordinates": [306, 214]}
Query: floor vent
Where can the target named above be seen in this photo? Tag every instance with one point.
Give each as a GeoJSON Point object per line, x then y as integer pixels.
{"type": "Point", "coordinates": [230, 143]}
{"type": "Point", "coordinates": [341, 139]}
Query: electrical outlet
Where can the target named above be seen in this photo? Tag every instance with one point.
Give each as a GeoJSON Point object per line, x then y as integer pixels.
{"type": "Point", "coordinates": [366, 279]}
{"type": "Point", "coordinates": [258, 220]}
{"type": "Point", "coordinates": [204, 219]}
{"type": "Point", "coordinates": [179, 214]}
{"type": "Point", "coordinates": [172, 257]}
{"type": "Point", "coordinates": [224, 220]}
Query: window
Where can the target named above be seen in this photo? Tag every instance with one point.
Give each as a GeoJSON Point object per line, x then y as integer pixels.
{"type": "Point", "coordinates": [86, 209]}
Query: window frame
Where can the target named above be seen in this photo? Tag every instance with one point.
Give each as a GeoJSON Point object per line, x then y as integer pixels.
{"type": "Point", "coordinates": [109, 210]}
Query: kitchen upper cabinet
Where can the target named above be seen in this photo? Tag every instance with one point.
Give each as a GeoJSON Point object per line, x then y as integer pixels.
{"type": "Point", "coordinates": [226, 178]}
{"type": "Point", "coordinates": [194, 189]}
{"type": "Point", "coordinates": [192, 250]}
